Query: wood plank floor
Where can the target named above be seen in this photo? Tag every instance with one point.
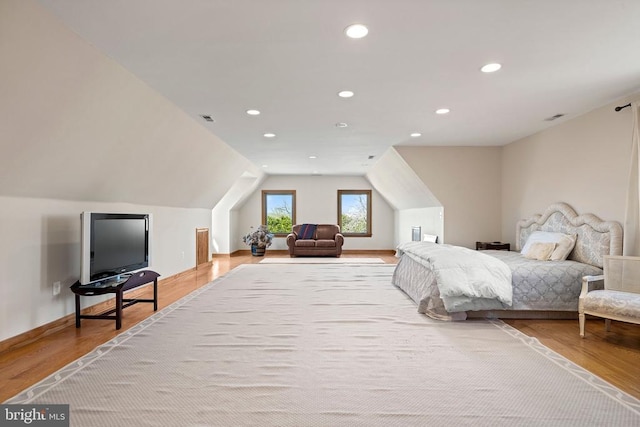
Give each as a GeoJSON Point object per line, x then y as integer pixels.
{"type": "Point", "coordinates": [614, 356]}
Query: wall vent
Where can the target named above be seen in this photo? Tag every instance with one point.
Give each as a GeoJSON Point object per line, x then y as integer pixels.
{"type": "Point", "coordinates": [552, 118]}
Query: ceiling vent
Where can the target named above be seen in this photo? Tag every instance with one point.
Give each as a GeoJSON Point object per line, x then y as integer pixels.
{"type": "Point", "coordinates": [207, 118]}
{"type": "Point", "coordinates": [371, 157]}
{"type": "Point", "coordinates": [552, 118]}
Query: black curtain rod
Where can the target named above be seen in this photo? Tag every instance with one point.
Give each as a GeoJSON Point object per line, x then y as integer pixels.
{"type": "Point", "coordinates": [624, 106]}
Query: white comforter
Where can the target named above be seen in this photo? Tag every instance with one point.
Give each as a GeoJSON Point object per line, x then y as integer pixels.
{"type": "Point", "coordinates": [466, 279]}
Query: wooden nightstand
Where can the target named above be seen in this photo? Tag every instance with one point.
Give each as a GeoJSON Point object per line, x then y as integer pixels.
{"type": "Point", "coordinates": [493, 245]}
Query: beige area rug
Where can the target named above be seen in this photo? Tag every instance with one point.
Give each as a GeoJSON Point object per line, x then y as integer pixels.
{"type": "Point", "coordinates": [324, 345]}
{"type": "Point", "coordinates": [321, 260]}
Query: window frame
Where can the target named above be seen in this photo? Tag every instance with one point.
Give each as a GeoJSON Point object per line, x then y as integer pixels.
{"type": "Point", "coordinates": [265, 194]}
{"type": "Point", "coordinates": [368, 233]}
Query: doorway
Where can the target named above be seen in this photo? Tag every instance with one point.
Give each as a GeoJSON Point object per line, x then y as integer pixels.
{"type": "Point", "coordinates": [202, 246]}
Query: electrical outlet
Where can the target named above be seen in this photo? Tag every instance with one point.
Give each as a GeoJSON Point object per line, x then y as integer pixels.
{"type": "Point", "coordinates": [182, 254]}
{"type": "Point", "coordinates": [56, 288]}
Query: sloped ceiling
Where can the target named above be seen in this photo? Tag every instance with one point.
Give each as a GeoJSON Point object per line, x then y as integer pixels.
{"type": "Point", "coordinates": [290, 58]}
{"type": "Point", "coordinates": [102, 100]}
{"type": "Point", "coordinates": [399, 184]}
{"type": "Point", "coordinates": [78, 126]}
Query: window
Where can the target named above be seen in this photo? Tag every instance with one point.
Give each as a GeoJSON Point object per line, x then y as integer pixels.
{"type": "Point", "coordinates": [354, 212]}
{"type": "Point", "coordinates": [279, 210]}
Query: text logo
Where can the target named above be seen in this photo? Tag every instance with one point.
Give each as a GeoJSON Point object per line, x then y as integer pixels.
{"type": "Point", "coordinates": [34, 415]}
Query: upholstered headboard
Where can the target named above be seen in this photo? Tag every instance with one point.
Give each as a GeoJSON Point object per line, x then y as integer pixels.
{"type": "Point", "coordinates": [596, 237]}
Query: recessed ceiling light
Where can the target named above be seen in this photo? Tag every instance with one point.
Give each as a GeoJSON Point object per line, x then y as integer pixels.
{"type": "Point", "coordinates": [269, 135]}
{"type": "Point", "coordinates": [490, 68]}
{"type": "Point", "coordinates": [341, 125]}
{"type": "Point", "coordinates": [356, 31]}
{"type": "Point", "coordinates": [442, 111]}
{"type": "Point", "coordinates": [313, 157]}
{"type": "Point", "coordinates": [253, 112]}
{"type": "Point", "coordinates": [345, 94]}
{"type": "Point", "coordinates": [416, 134]}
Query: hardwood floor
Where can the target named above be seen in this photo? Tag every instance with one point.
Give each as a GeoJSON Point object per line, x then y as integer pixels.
{"type": "Point", "coordinates": [614, 356]}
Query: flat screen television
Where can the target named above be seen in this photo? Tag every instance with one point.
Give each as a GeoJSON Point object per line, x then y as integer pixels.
{"type": "Point", "coordinates": [113, 244]}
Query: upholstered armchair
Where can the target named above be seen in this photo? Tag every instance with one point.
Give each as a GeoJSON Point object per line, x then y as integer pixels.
{"type": "Point", "coordinates": [315, 240]}
{"type": "Point", "coordinates": [614, 295]}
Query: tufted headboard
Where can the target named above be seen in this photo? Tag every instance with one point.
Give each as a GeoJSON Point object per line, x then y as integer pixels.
{"type": "Point", "coordinates": [596, 237]}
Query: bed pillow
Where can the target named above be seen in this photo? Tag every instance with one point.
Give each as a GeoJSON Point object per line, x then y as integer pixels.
{"type": "Point", "coordinates": [564, 243]}
{"type": "Point", "coordinates": [564, 246]}
{"type": "Point", "coordinates": [307, 231]}
{"type": "Point", "coordinates": [540, 250]}
{"type": "Point", "coordinates": [431, 238]}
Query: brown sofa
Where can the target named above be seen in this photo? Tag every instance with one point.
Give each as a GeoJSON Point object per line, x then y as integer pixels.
{"type": "Point", "coordinates": [326, 241]}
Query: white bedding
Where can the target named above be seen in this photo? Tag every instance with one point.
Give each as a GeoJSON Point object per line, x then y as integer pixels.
{"type": "Point", "coordinates": [466, 279]}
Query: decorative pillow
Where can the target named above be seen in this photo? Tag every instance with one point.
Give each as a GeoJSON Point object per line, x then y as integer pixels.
{"type": "Point", "coordinates": [430, 238]}
{"type": "Point", "coordinates": [540, 250]}
{"type": "Point", "coordinates": [307, 231]}
{"type": "Point", "coordinates": [564, 246]}
{"type": "Point", "coordinates": [568, 242]}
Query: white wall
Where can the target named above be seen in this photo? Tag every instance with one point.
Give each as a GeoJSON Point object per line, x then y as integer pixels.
{"type": "Point", "coordinates": [317, 203]}
{"type": "Point", "coordinates": [430, 220]}
{"type": "Point", "coordinates": [40, 245]}
{"type": "Point", "coordinates": [223, 227]}
{"type": "Point", "coordinates": [467, 182]}
{"type": "Point", "coordinates": [75, 125]}
{"type": "Point", "coordinates": [583, 161]}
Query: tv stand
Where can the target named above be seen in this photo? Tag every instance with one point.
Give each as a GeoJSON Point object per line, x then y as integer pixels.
{"type": "Point", "coordinates": [117, 287]}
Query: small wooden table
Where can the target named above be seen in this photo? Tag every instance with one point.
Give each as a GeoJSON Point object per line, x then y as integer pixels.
{"type": "Point", "coordinates": [118, 288]}
{"type": "Point", "coordinates": [493, 245]}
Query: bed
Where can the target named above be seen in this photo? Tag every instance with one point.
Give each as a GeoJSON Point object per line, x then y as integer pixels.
{"type": "Point", "coordinates": [538, 288]}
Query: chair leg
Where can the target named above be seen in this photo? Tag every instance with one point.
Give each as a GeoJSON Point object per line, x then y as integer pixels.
{"type": "Point", "coordinates": [607, 325]}
{"type": "Point", "coordinates": [581, 319]}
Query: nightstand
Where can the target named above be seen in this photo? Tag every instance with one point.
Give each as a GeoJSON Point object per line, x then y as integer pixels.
{"type": "Point", "coordinates": [493, 245]}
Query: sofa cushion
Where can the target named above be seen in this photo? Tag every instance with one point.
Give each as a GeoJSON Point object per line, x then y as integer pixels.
{"type": "Point", "coordinates": [616, 303]}
{"type": "Point", "coordinates": [305, 243]}
{"type": "Point", "coordinates": [323, 243]}
{"type": "Point", "coordinates": [326, 232]}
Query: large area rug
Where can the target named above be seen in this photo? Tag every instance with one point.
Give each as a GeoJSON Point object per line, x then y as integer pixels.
{"type": "Point", "coordinates": [322, 260]}
{"type": "Point", "coordinates": [324, 345]}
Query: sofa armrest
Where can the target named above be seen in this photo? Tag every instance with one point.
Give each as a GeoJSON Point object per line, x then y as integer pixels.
{"type": "Point", "coordinates": [339, 238]}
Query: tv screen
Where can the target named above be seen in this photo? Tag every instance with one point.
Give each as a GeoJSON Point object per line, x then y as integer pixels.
{"type": "Point", "coordinates": [113, 245]}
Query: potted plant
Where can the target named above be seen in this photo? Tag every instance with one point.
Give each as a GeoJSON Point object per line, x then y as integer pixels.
{"type": "Point", "coordinates": [259, 239]}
